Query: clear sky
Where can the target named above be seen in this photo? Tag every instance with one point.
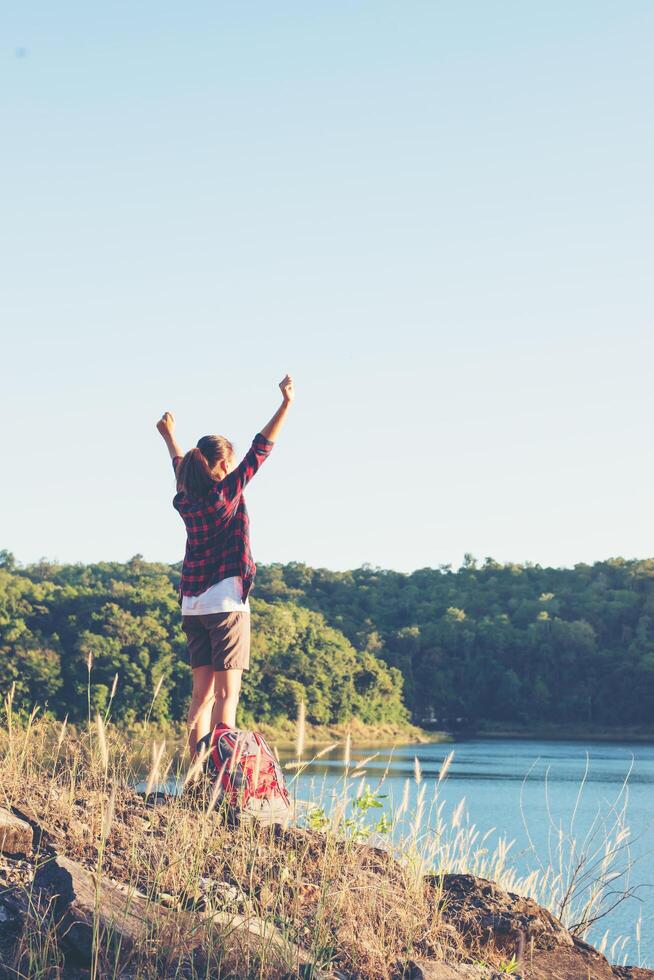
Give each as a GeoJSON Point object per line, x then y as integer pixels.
{"type": "Point", "coordinates": [436, 215]}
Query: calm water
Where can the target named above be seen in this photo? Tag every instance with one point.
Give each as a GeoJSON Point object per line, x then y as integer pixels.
{"type": "Point", "coordinates": [492, 775]}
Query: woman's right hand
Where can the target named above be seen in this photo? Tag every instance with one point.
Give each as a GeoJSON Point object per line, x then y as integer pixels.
{"type": "Point", "coordinates": [286, 386]}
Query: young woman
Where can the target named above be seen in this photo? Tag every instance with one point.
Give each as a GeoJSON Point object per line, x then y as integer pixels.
{"type": "Point", "coordinates": [218, 569]}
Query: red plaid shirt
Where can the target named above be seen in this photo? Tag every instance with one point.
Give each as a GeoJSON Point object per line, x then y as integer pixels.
{"type": "Point", "coordinates": [217, 527]}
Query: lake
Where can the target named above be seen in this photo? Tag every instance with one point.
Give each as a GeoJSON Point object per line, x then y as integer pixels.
{"type": "Point", "coordinates": [492, 776]}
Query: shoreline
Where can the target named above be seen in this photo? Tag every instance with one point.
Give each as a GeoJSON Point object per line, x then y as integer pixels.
{"type": "Point", "coordinates": [285, 734]}
{"type": "Point", "coordinates": [562, 734]}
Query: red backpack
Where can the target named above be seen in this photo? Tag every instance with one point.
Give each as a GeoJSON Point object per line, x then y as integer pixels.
{"type": "Point", "coordinates": [249, 776]}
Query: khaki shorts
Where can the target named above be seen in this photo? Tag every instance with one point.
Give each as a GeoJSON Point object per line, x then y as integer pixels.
{"type": "Point", "coordinates": [220, 640]}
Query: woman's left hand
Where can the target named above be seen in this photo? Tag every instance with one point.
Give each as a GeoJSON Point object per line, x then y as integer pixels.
{"type": "Point", "coordinates": [166, 424]}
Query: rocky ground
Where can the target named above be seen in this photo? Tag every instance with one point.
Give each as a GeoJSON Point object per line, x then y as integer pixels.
{"type": "Point", "coordinates": [72, 906]}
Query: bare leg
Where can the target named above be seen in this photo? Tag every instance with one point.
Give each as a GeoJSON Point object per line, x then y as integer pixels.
{"type": "Point", "coordinates": [226, 689]}
{"type": "Point", "coordinates": [199, 712]}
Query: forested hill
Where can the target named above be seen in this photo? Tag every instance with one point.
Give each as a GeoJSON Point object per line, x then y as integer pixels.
{"type": "Point", "coordinates": [68, 631]}
{"type": "Point", "coordinates": [487, 644]}
{"type": "Point", "coordinates": [510, 644]}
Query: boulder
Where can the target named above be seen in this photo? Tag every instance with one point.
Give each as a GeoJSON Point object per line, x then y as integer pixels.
{"type": "Point", "coordinates": [82, 902]}
{"type": "Point", "coordinates": [85, 905]}
{"type": "Point", "coordinates": [493, 921]}
{"type": "Point", "coordinates": [483, 913]}
{"type": "Point", "coordinates": [16, 835]}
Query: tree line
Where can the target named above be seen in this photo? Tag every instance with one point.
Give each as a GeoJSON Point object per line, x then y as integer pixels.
{"type": "Point", "coordinates": [504, 644]}
{"type": "Point", "coordinates": [71, 634]}
{"type": "Point", "coordinates": [486, 643]}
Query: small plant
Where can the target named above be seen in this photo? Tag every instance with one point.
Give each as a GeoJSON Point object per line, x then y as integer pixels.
{"type": "Point", "coordinates": [383, 825]}
{"type": "Point", "coordinates": [356, 826]}
{"type": "Point", "coordinates": [508, 967]}
{"type": "Point", "coordinates": [317, 819]}
{"type": "Point", "coordinates": [368, 800]}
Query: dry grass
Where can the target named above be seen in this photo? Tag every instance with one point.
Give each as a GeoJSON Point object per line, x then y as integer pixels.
{"type": "Point", "coordinates": [326, 895]}
{"type": "Point", "coordinates": [319, 894]}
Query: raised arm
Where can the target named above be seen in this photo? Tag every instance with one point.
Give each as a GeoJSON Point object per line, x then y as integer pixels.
{"type": "Point", "coordinates": [271, 431]}
{"type": "Point", "coordinates": [235, 482]}
{"type": "Point", "coordinates": [166, 428]}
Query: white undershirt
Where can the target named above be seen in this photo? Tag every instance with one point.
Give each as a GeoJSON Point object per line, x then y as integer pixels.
{"type": "Point", "coordinates": [225, 596]}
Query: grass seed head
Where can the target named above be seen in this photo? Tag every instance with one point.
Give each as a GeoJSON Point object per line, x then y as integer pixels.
{"type": "Point", "coordinates": [447, 762]}
{"type": "Point", "coordinates": [300, 732]}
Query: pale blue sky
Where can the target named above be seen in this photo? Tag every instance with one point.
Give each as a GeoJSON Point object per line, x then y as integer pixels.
{"type": "Point", "coordinates": [437, 216]}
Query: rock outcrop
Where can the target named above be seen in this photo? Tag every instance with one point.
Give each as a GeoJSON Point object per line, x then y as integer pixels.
{"type": "Point", "coordinates": [83, 904]}
{"type": "Point", "coordinates": [90, 913]}
{"type": "Point", "coordinates": [483, 932]}
{"type": "Point", "coordinates": [489, 919]}
{"type": "Point", "coordinates": [16, 835]}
